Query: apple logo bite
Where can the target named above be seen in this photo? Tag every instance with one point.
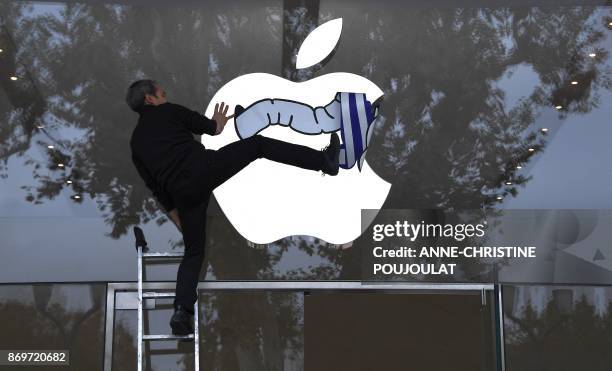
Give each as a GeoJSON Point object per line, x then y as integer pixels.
{"type": "Point", "coordinates": [267, 200]}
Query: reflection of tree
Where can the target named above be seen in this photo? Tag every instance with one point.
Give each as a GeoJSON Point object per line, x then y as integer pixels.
{"type": "Point", "coordinates": [445, 137]}
{"type": "Point", "coordinates": [557, 340]}
{"type": "Point", "coordinates": [448, 139]}
{"type": "Point", "coordinates": [68, 328]}
{"type": "Point", "coordinates": [250, 331]}
{"type": "Point", "coordinates": [109, 42]}
{"type": "Point", "coordinates": [26, 327]}
{"type": "Point", "coordinates": [246, 331]}
{"type": "Point", "coordinates": [300, 17]}
{"type": "Point", "coordinates": [21, 96]}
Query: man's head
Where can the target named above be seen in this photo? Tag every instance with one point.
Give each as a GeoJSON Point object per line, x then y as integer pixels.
{"type": "Point", "coordinates": [144, 92]}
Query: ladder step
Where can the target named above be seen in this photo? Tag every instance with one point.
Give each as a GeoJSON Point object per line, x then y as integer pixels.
{"type": "Point", "coordinates": [167, 337]}
{"type": "Point", "coordinates": [162, 255]}
{"type": "Point", "coordinates": [158, 294]}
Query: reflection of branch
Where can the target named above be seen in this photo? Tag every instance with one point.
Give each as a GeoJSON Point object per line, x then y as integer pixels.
{"type": "Point", "coordinates": [299, 19]}
{"type": "Point", "coordinates": [523, 326]}
{"type": "Point", "coordinates": [530, 329]}
{"type": "Point", "coordinates": [96, 305]}
{"type": "Point", "coordinates": [563, 318]}
{"type": "Point", "coordinates": [42, 296]}
{"type": "Point", "coordinates": [23, 95]}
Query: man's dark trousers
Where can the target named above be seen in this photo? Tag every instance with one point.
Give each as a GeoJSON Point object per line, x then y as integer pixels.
{"type": "Point", "coordinates": [192, 188]}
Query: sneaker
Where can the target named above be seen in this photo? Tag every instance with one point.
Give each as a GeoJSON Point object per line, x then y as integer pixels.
{"type": "Point", "coordinates": [331, 156]}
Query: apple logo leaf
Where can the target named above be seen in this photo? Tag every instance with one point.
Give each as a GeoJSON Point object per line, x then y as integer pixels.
{"type": "Point", "coordinates": [319, 43]}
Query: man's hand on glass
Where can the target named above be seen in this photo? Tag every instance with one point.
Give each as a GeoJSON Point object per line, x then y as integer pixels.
{"type": "Point", "coordinates": [220, 116]}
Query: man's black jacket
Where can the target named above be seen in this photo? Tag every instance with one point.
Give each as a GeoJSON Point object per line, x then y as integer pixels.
{"type": "Point", "coordinates": [163, 142]}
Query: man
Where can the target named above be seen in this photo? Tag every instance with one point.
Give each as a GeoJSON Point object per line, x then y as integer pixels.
{"type": "Point", "coordinates": [182, 173]}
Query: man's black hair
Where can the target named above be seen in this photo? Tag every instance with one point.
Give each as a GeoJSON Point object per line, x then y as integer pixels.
{"type": "Point", "coordinates": [135, 96]}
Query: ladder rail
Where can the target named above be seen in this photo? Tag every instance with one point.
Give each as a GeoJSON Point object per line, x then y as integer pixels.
{"type": "Point", "coordinates": [142, 253]}
{"type": "Point", "coordinates": [196, 334]}
{"type": "Point", "coordinates": [140, 319]}
{"type": "Point", "coordinates": [141, 244]}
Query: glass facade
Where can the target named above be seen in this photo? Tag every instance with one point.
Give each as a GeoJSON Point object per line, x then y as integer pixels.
{"type": "Point", "coordinates": [470, 96]}
{"type": "Point", "coordinates": [58, 316]}
{"type": "Point", "coordinates": [490, 105]}
{"type": "Point", "coordinates": [557, 327]}
{"type": "Point", "coordinates": [239, 331]}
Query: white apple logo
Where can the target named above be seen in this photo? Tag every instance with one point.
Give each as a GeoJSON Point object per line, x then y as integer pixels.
{"type": "Point", "coordinates": [267, 200]}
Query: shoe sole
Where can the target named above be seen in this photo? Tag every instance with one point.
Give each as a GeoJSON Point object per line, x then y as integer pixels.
{"type": "Point", "coordinates": [336, 163]}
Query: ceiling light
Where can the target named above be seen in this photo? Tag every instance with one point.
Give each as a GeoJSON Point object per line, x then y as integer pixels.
{"type": "Point", "coordinates": [60, 165]}
{"type": "Point", "coordinates": [519, 167]}
{"type": "Point", "coordinates": [531, 149]}
{"type": "Point", "coordinates": [39, 126]}
{"type": "Point", "coordinates": [592, 55]}
{"type": "Point", "coordinates": [69, 181]}
{"type": "Point", "coordinates": [574, 82]}
{"type": "Point", "coordinates": [508, 183]}
{"type": "Point", "coordinates": [544, 130]}
{"type": "Point", "coordinates": [50, 147]}
{"type": "Point", "coordinates": [76, 197]}
{"type": "Point", "coordinates": [1, 50]}
{"type": "Point", "coordinates": [609, 23]}
{"type": "Point", "coordinates": [558, 107]}
{"type": "Point", "coordinates": [14, 78]}
{"type": "Point", "coordinates": [500, 197]}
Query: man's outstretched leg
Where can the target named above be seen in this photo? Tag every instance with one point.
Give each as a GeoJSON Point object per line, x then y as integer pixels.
{"type": "Point", "coordinates": [193, 226]}
{"type": "Point", "coordinates": [232, 158]}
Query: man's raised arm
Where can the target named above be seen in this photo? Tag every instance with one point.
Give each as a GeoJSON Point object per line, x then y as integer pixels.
{"type": "Point", "coordinates": [195, 122]}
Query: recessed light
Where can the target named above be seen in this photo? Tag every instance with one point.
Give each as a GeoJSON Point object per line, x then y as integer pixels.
{"type": "Point", "coordinates": [574, 82]}
{"type": "Point", "coordinates": [592, 55]}
{"type": "Point", "coordinates": [544, 130]}
{"type": "Point", "coordinates": [531, 149]}
{"type": "Point", "coordinates": [69, 181]}
{"type": "Point", "coordinates": [508, 183]}
{"type": "Point", "coordinates": [500, 198]}
{"type": "Point", "coordinates": [609, 23]}
{"type": "Point", "coordinates": [60, 165]}
{"type": "Point", "coordinates": [558, 107]}
{"type": "Point", "coordinates": [14, 78]}
{"type": "Point", "coordinates": [50, 147]}
{"type": "Point", "coordinates": [519, 167]}
{"type": "Point", "coordinates": [76, 197]}
{"type": "Point", "coordinates": [1, 50]}
{"type": "Point", "coordinates": [39, 126]}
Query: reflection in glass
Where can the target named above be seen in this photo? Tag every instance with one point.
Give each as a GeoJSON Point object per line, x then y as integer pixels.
{"type": "Point", "coordinates": [56, 316]}
{"type": "Point", "coordinates": [239, 331]}
{"type": "Point", "coordinates": [558, 328]}
{"type": "Point", "coordinates": [467, 93]}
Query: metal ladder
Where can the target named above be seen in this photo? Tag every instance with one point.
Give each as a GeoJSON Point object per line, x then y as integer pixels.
{"type": "Point", "coordinates": [142, 250]}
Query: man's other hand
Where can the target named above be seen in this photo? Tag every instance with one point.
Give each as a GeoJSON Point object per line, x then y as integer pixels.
{"type": "Point", "coordinates": [220, 116]}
